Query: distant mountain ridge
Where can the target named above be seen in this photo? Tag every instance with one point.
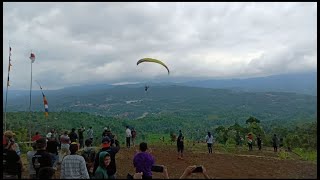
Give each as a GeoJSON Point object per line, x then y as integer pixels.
{"type": "Point", "coordinates": [303, 83]}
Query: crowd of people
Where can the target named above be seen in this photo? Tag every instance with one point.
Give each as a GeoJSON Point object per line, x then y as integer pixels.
{"type": "Point", "coordinates": [55, 150]}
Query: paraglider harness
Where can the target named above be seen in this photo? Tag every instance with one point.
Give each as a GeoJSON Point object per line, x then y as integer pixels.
{"type": "Point", "coordinates": [146, 88]}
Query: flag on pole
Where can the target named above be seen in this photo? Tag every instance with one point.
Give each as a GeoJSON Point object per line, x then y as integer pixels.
{"type": "Point", "coordinates": [9, 66]}
{"type": "Point", "coordinates": [32, 57]}
{"type": "Point", "coordinates": [8, 83]}
{"type": "Point", "coordinates": [45, 102]}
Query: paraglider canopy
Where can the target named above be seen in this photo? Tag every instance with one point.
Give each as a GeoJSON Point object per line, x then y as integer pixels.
{"type": "Point", "coordinates": [154, 61]}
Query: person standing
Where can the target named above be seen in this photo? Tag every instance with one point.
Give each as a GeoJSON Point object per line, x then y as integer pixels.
{"type": "Point", "coordinates": [275, 143]}
{"type": "Point", "coordinates": [180, 145]}
{"type": "Point", "coordinates": [12, 164]}
{"type": "Point", "coordinates": [89, 154]}
{"type": "Point", "coordinates": [104, 161]}
{"type": "Point", "coordinates": [90, 133]}
{"type": "Point", "coordinates": [250, 141]}
{"type": "Point", "coordinates": [36, 137]}
{"type": "Point", "coordinates": [52, 149]}
{"type": "Point", "coordinates": [41, 158]}
{"type": "Point", "coordinates": [128, 136]}
{"type": "Point", "coordinates": [133, 136]}
{"type": "Point", "coordinates": [209, 141]}
{"type": "Point", "coordinates": [259, 141]}
{"type": "Point", "coordinates": [112, 150]}
{"type": "Point", "coordinates": [30, 154]}
{"type": "Point", "coordinates": [73, 166]}
{"type": "Point", "coordinates": [143, 161]}
{"type": "Point", "coordinates": [73, 135]}
{"type": "Point", "coordinates": [65, 144]}
{"type": "Point", "coordinates": [81, 138]}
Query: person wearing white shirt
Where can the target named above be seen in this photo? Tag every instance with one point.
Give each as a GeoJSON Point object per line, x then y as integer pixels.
{"type": "Point", "coordinates": [209, 141]}
{"type": "Point", "coordinates": [128, 136]}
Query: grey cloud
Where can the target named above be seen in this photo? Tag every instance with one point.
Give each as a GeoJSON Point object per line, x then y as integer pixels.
{"type": "Point", "coordinates": [100, 42]}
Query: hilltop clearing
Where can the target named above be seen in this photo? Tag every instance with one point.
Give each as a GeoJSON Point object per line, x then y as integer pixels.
{"type": "Point", "coordinates": [220, 165]}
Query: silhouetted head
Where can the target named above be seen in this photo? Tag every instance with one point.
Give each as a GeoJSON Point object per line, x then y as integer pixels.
{"type": "Point", "coordinates": [143, 146]}
{"type": "Point", "coordinates": [88, 142]}
{"type": "Point", "coordinates": [73, 148]}
{"type": "Point", "coordinates": [46, 173]}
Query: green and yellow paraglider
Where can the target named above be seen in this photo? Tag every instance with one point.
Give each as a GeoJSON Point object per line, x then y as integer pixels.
{"type": "Point", "coordinates": [154, 61]}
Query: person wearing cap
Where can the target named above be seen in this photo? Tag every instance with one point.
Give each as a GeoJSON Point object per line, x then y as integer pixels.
{"type": "Point", "coordinates": [12, 164]}
{"type": "Point", "coordinates": [73, 166]}
{"type": "Point", "coordinates": [30, 154]}
{"type": "Point", "coordinates": [10, 135]}
{"type": "Point", "coordinates": [110, 135]}
{"type": "Point", "coordinates": [41, 158]}
{"type": "Point", "coordinates": [143, 161]}
{"type": "Point", "coordinates": [104, 161]}
{"type": "Point", "coordinates": [112, 150]}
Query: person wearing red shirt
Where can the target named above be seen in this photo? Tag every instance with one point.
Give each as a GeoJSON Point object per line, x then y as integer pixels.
{"type": "Point", "coordinates": [36, 137]}
{"type": "Point", "coordinates": [250, 141]}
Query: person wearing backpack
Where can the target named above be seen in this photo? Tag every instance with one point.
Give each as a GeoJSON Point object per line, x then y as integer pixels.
{"type": "Point", "coordinates": [41, 158]}
{"type": "Point", "coordinates": [89, 154]}
{"type": "Point", "coordinates": [112, 150]}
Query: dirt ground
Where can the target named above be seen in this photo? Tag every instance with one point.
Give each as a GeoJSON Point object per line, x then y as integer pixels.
{"type": "Point", "coordinates": [219, 165]}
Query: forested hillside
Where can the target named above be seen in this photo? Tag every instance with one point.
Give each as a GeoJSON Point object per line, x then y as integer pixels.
{"type": "Point", "coordinates": [199, 104]}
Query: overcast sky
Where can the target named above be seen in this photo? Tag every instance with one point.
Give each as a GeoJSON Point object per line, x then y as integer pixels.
{"type": "Point", "coordinates": [84, 43]}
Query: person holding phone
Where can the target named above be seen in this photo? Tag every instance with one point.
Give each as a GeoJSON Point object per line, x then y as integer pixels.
{"type": "Point", "coordinates": [143, 161]}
